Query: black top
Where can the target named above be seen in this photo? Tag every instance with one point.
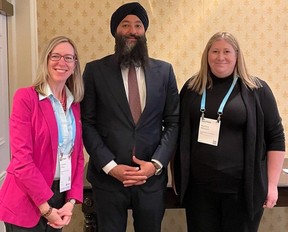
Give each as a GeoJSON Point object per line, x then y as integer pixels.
{"type": "Point", "coordinates": [219, 168]}
{"type": "Point", "coordinates": [262, 132]}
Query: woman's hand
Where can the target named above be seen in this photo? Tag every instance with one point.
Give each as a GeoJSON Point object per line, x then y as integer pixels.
{"type": "Point", "coordinates": [66, 212]}
{"type": "Point", "coordinates": [55, 220]}
{"type": "Point", "coordinates": [272, 197]}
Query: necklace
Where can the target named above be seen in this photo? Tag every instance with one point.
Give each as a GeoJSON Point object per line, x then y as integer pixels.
{"type": "Point", "coordinates": [63, 100]}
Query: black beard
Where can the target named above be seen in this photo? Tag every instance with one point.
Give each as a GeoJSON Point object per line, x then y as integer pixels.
{"type": "Point", "coordinates": [126, 55]}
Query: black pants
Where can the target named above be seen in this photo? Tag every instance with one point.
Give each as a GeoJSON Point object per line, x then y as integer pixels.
{"type": "Point", "coordinates": [57, 201]}
{"type": "Point", "coordinates": [218, 212]}
{"type": "Point", "coordinates": [111, 209]}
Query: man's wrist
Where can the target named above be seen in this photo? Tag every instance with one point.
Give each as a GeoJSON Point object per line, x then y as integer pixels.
{"type": "Point", "coordinates": [158, 168]}
{"type": "Point", "coordinates": [108, 167]}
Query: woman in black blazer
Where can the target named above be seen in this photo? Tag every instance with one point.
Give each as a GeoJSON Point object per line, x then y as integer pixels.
{"type": "Point", "coordinates": [231, 146]}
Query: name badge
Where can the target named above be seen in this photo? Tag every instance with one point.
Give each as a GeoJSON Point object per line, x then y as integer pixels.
{"type": "Point", "coordinates": [65, 173]}
{"type": "Point", "coordinates": [209, 131]}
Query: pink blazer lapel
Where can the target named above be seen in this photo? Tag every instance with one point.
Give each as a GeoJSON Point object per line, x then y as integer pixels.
{"type": "Point", "coordinates": [48, 114]}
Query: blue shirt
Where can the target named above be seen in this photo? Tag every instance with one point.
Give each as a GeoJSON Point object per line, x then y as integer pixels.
{"type": "Point", "coordinates": [65, 122]}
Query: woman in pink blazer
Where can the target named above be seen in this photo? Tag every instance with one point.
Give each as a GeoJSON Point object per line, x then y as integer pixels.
{"type": "Point", "coordinates": [45, 176]}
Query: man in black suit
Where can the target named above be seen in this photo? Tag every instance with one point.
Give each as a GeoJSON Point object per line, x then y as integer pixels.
{"type": "Point", "coordinates": [129, 150]}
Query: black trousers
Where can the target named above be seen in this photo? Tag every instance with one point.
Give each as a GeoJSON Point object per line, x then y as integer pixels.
{"type": "Point", "coordinates": [111, 209]}
{"type": "Point", "coordinates": [208, 211]}
{"type": "Point", "coordinates": [57, 201]}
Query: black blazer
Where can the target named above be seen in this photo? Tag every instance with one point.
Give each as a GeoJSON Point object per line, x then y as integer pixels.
{"type": "Point", "coordinates": [263, 128]}
{"type": "Point", "coordinates": [109, 132]}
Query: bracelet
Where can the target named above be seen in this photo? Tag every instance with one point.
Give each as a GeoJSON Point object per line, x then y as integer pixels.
{"type": "Point", "coordinates": [48, 212]}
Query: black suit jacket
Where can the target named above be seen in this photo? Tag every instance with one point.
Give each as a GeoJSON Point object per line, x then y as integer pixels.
{"type": "Point", "coordinates": [109, 132]}
{"type": "Point", "coordinates": [263, 132]}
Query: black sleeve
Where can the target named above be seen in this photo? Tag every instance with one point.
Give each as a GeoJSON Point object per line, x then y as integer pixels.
{"type": "Point", "coordinates": [273, 128]}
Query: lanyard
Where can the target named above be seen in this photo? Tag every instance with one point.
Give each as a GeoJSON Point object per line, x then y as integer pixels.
{"type": "Point", "coordinates": [223, 103]}
{"type": "Point", "coordinates": [60, 129]}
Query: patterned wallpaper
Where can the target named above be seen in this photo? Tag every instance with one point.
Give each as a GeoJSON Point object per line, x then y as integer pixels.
{"type": "Point", "coordinates": [177, 33]}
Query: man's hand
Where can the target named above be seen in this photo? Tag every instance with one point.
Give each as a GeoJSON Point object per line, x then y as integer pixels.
{"type": "Point", "coordinates": [146, 170]}
{"type": "Point", "coordinates": [128, 174]}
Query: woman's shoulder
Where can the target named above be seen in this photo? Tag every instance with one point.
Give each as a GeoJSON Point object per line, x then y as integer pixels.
{"type": "Point", "coordinates": [263, 86]}
{"type": "Point", "coordinates": [263, 92]}
{"type": "Point", "coordinates": [186, 88]}
{"type": "Point", "coordinates": [25, 93]}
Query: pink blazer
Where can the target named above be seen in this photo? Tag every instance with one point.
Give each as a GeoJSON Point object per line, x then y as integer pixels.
{"type": "Point", "coordinates": [34, 141]}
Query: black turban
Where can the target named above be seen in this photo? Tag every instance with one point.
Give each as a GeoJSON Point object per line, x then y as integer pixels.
{"type": "Point", "coordinates": [132, 8]}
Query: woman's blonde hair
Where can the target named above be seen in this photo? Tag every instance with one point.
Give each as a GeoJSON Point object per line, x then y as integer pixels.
{"type": "Point", "coordinates": [202, 79]}
{"type": "Point", "coordinates": [74, 82]}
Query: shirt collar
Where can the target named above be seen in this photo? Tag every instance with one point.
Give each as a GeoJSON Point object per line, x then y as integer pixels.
{"type": "Point", "coordinates": [48, 92]}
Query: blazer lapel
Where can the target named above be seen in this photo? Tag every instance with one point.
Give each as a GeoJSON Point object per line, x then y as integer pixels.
{"type": "Point", "coordinates": [150, 74]}
{"type": "Point", "coordinates": [250, 144]}
{"type": "Point", "coordinates": [48, 114]}
{"type": "Point", "coordinates": [114, 81]}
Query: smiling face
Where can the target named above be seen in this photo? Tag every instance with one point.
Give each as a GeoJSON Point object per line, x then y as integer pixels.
{"type": "Point", "coordinates": [222, 58]}
{"type": "Point", "coordinates": [130, 28]}
{"type": "Point", "coordinates": [60, 71]}
{"type": "Point", "coordinates": [130, 42]}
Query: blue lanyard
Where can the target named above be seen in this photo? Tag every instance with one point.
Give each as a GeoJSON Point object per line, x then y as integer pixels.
{"type": "Point", "coordinates": [60, 132]}
{"type": "Point", "coordinates": [223, 103]}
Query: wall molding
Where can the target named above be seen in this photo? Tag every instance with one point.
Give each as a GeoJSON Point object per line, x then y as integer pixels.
{"type": "Point", "coordinates": [6, 8]}
{"type": "Point", "coordinates": [22, 45]}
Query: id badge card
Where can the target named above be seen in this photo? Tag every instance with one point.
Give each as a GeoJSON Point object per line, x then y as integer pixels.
{"type": "Point", "coordinates": [209, 131]}
{"type": "Point", "coordinates": [65, 173]}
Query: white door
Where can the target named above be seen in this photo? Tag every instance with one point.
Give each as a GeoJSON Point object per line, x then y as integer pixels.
{"type": "Point", "coordinates": [4, 104]}
{"type": "Point", "coordinates": [4, 100]}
